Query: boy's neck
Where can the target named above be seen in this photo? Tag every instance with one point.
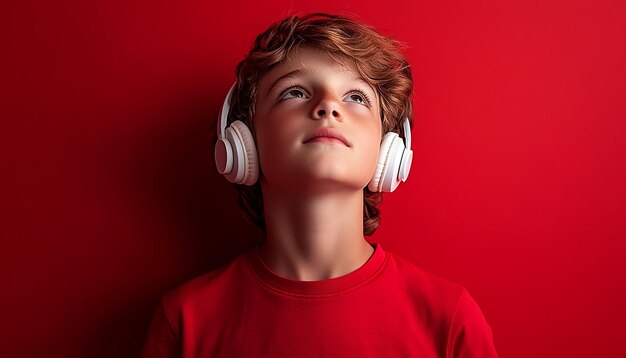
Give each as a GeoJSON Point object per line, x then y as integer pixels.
{"type": "Point", "coordinates": [314, 237]}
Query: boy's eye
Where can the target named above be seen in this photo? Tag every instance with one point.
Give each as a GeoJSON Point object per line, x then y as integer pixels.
{"type": "Point", "coordinates": [293, 93]}
{"type": "Point", "coordinates": [358, 97]}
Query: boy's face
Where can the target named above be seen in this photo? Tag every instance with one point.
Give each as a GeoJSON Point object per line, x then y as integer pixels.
{"type": "Point", "coordinates": [307, 92]}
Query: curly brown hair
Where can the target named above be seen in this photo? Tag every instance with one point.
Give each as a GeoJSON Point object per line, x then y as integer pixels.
{"type": "Point", "coordinates": [378, 59]}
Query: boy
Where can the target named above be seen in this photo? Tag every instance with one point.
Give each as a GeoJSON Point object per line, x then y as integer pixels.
{"type": "Point", "coordinates": [315, 117]}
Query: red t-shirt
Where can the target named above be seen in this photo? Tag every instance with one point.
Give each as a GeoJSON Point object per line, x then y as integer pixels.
{"type": "Point", "coordinates": [386, 308]}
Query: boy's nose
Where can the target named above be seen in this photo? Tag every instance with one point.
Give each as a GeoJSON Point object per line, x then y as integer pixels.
{"type": "Point", "coordinates": [327, 107]}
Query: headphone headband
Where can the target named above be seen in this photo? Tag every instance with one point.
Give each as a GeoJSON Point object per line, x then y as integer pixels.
{"type": "Point", "coordinates": [223, 118]}
{"type": "Point", "coordinates": [406, 126]}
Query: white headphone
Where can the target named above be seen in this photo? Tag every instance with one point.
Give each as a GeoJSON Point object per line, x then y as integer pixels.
{"type": "Point", "coordinates": [236, 155]}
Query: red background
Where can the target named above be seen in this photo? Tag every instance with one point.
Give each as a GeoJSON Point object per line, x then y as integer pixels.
{"type": "Point", "coordinates": [110, 196]}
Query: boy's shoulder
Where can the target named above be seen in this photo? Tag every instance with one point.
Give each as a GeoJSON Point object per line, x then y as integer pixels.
{"type": "Point", "coordinates": [436, 299]}
{"type": "Point", "coordinates": [210, 285]}
{"type": "Point", "coordinates": [421, 284]}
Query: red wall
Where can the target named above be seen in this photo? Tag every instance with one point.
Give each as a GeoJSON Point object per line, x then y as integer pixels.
{"type": "Point", "coordinates": [110, 195]}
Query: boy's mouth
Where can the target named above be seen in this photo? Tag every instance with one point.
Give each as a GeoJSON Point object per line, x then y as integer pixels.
{"type": "Point", "coordinates": [327, 134]}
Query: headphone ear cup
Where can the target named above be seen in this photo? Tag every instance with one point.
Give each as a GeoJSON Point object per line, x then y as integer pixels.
{"type": "Point", "coordinates": [250, 158]}
{"type": "Point", "coordinates": [390, 175]}
{"type": "Point", "coordinates": [375, 184]}
{"type": "Point", "coordinates": [236, 160]}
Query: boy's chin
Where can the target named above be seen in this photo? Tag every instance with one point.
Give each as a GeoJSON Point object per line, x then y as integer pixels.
{"type": "Point", "coordinates": [312, 184]}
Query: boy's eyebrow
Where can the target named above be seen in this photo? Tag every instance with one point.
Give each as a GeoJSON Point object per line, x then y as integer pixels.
{"type": "Point", "coordinates": [287, 75]}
